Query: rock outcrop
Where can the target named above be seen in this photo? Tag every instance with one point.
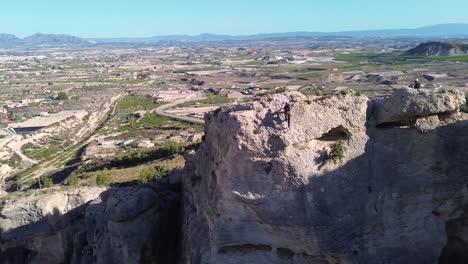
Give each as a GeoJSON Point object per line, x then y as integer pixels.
{"type": "Point", "coordinates": [91, 225]}
{"type": "Point", "coordinates": [353, 180]}
{"type": "Point", "coordinates": [261, 193]}
{"type": "Point", "coordinates": [408, 105]}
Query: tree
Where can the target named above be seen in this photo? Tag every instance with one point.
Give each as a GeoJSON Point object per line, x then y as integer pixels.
{"type": "Point", "coordinates": [47, 181]}
{"type": "Point", "coordinates": [72, 179]}
{"type": "Point", "coordinates": [102, 178]}
{"type": "Point", "coordinates": [62, 96]}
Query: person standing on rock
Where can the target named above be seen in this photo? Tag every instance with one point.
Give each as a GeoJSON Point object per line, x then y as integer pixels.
{"type": "Point", "coordinates": [287, 113]}
{"type": "Point", "coordinates": [417, 84]}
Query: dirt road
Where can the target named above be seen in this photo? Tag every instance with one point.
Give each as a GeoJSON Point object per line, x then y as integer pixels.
{"type": "Point", "coordinates": [195, 96]}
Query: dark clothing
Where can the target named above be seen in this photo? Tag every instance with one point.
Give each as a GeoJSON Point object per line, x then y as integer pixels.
{"type": "Point", "coordinates": [288, 118]}
{"type": "Point", "coordinates": [417, 85]}
{"type": "Point", "coordinates": [287, 113]}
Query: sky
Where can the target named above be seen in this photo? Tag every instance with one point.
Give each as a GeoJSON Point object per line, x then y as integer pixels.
{"type": "Point", "coordinates": [144, 18]}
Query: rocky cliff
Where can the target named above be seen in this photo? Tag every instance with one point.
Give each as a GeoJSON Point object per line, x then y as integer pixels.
{"type": "Point", "coordinates": [91, 225]}
{"type": "Point", "coordinates": [353, 180]}
{"type": "Point", "coordinates": [262, 193]}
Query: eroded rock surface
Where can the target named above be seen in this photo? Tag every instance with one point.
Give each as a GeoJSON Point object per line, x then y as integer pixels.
{"type": "Point", "coordinates": [336, 187]}
{"type": "Point", "coordinates": [91, 225]}
{"type": "Point", "coordinates": [406, 105]}
{"type": "Point", "coordinates": [262, 193]}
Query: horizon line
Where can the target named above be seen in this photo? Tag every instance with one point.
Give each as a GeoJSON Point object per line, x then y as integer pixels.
{"type": "Point", "coordinates": [234, 35]}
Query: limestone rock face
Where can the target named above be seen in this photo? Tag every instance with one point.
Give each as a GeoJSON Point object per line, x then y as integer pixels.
{"type": "Point", "coordinates": [91, 225]}
{"type": "Point", "coordinates": [336, 187]}
{"type": "Point", "coordinates": [407, 104]}
{"type": "Point", "coordinates": [258, 192]}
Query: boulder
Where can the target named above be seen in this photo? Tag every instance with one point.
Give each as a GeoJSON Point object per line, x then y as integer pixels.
{"type": "Point", "coordinates": [406, 105]}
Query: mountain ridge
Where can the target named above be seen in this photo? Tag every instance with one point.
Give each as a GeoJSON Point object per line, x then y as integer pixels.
{"type": "Point", "coordinates": [43, 39]}
{"type": "Point", "coordinates": [441, 30]}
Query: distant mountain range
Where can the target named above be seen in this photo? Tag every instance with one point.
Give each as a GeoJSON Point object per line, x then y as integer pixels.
{"type": "Point", "coordinates": [435, 48]}
{"type": "Point", "coordinates": [44, 39]}
{"type": "Point", "coordinates": [439, 31]}
{"type": "Point", "coordinates": [445, 30]}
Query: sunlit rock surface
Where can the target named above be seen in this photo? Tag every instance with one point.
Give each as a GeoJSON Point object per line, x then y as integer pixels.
{"type": "Point", "coordinates": [262, 193]}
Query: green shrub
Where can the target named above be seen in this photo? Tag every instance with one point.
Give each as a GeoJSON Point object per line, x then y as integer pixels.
{"type": "Point", "coordinates": [46, 181]}
{"type": "Point", "coordinates": [153, 173]}
{"type": "Point", "coordinates": [102, 178]}
{"type": "Point", "coordinates": [72, 179]}
{"type": "Point", "coordinates": [256, 131]}
{"type": "Point", "coordinates": [336, 153]}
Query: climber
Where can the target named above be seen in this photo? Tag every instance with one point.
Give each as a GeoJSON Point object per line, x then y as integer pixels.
{"type": "Point", "coordinates": [287, 113]}
{"type": "Point", "coordinates": [416, 85]}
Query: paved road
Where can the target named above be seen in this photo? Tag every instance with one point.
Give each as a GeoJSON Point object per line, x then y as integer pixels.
{"type": "Point", "coordinates": [161, 110]}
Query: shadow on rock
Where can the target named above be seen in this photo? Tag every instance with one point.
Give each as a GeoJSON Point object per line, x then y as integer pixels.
{"type": "Point", "coordinates": [137, 224]}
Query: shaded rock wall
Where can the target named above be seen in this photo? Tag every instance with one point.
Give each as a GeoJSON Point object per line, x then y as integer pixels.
{"type": "Point", "coordinates": [92, 225]}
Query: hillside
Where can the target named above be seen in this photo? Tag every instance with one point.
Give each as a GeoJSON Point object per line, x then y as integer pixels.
{"type": "Point", "coordinates": [433, 48]}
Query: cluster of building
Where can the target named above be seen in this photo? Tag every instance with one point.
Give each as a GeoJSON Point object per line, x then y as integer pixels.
{"type": "Point", "coordinates": [28, 101]}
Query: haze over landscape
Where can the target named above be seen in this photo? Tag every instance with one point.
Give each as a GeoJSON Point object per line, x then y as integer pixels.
{"type": "Point", "coordinates": [233, 132]}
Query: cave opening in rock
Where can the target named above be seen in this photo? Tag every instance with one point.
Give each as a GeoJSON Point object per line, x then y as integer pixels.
{"type": "Point", "coordinates": [336, 134]}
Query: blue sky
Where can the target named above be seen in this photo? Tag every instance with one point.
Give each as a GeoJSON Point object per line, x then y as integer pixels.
{"type": "Point", "coordinates": [138, 18]}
